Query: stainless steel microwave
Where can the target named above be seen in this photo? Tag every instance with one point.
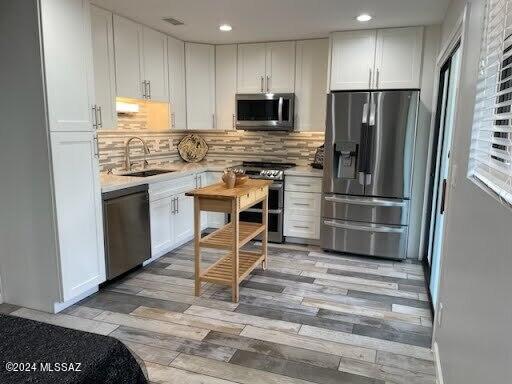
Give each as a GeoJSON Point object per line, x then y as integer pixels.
{"type": "Point", "coordinates": [265, 111]}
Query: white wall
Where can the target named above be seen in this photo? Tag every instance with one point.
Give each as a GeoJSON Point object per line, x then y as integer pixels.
{"type": "Point", "coordinates": [474, 338]}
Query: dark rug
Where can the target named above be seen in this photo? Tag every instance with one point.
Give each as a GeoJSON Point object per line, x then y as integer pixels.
{"type": "Point", "coordinates": [35, 352]}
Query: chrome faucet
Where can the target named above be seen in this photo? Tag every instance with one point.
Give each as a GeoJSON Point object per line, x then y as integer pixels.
{"type": "Point", "coordinates": [128, 164]}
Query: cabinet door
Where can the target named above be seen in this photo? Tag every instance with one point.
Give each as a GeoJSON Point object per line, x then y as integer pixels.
{"type": "Point", "coordinates": [280, 67]}
{"type": "Point", "coordinates": [200, 83]}
{"type": "Point", "coordinates": [79, 211]}
{"type": "Point", "coordinates": [128, 51]}
{"type": "Point", "coordinates": [66, 33]}
{"type": "Point", "coordinates": [162, 232]}
{"type": "Point", "coordinates": [398, 58]}
{"type": "Point", "coordinates": [352, 60]}
{"type": "Point", "coordinates": [183, 219]}
{"type": "Point", "coordinates": [225, 85]}
{"type": "Point", "coordinates": [310, 79]}
{"type": "Point", "coordinates": [104, 66]}
{"type": "Point", "coordinates": [155, 64]}
{"type": "Point", "coordinates": [251, 68]}
{"type": "Point", "coordinates": [178, 108]}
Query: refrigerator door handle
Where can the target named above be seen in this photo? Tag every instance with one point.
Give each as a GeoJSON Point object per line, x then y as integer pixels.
{"type": "Point", "coordinates": [381, 202]}
{"type": "Point", "coordinates": [363, 148]}
{"type": "Point", "coordinates": [369, 149]}
{"type": "Point", "coordinates": [375, 228]}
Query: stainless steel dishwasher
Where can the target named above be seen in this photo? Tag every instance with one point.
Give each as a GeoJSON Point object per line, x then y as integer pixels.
{"type": "Point", "coordinates": [127, 229]}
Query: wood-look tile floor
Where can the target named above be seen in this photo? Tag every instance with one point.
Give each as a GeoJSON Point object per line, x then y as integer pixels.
{"type": "Point", "coordinates": [312, 317]}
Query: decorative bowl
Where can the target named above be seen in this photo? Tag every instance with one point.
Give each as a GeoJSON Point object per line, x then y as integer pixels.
{"type": "Point", "coordinates": [241, 179]}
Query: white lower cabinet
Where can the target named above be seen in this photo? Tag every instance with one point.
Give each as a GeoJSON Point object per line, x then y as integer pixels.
{"type": "Point", "coordinates": [162, 232]}
{"type": "Point", "coordinates": [183, 219]}
{"type": "Point", "coordinates": [172, 213]}
{"type": "Point", "coordinates": [302, 207]}
{"type": "Point", "coordinates": [77, 190]}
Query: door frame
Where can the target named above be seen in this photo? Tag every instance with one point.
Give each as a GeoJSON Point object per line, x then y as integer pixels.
{"type": "Point", "coordinates": [456, 37]}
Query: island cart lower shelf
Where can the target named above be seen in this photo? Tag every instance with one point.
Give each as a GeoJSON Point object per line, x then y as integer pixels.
{"type": "Point", "coordinates": [237, 264]}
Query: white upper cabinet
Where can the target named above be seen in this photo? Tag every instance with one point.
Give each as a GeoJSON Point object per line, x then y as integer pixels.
{"type": "Point", "coordinates": [376, 59]}
{"type": "Point", "coordinates": [398, 58]}
{"type": "Point", "coordinates": [176, 59]}
{"type": "Point", "coordinates": [251, 68]}
{"type": "Point", "coordinates": [200, 83]}
{"type": "Point", "coordinates": [353, 59]}
{"type": "Point", "coordinates": [280, 67]}
{"type": "Point", "coordinates": [155, 65]}
{"type": "Point", "coordinates": [141, 61]}
{"type": "Point", "coordinates": [310, 84]}
{"type": "Point", "coordinates": [104, 67]}
{"type": "Point", "coordinates": [225, 85]}
{"type": "Point", "coordinates": [69, 74]}
{"type": "Point", "coordinates": [266, 67]}
{"type": "Point", "coordinates": [128, 47]}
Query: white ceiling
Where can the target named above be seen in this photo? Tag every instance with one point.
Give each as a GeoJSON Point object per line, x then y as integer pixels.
{"type": "Point", "coordinates": [263, 20]}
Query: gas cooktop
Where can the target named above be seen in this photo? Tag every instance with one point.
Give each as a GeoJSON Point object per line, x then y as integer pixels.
{"type": "Point", "coordinates": [263, 170]}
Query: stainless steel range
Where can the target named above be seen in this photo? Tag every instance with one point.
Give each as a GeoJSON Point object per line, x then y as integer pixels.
{"type": "Point", "coordinates": [274, 172]}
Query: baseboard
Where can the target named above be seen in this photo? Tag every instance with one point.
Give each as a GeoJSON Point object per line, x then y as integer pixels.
{"type": "Point", "coordinates": [57, 307]}
{"type": "Point", "coordinates": [437, 361]}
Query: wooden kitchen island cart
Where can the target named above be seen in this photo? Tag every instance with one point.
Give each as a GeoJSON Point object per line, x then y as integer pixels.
{"type": "Point", "coordinates": [237, 264]}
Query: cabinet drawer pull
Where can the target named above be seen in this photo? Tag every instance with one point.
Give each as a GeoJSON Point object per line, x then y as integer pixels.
{"type": "Point", "coordinates": [300, 227]}
{"type": "Point", "coordinates": [302, 204]}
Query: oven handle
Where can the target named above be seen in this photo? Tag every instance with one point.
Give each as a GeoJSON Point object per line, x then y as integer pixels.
{"type": "Point", "coordinates": [258, 210]}
{"type": "Point", "coordinates": [276, 186]}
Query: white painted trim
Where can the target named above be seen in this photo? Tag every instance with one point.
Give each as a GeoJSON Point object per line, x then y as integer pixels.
{"type": "Point", "coordinates": [437, 361]}
{"type": "Point", "coordinates": [57, 307]}
{"type": "Point", "coordinates": [457, 34]}
{"type": "Point", "coordinates": [460, 28]}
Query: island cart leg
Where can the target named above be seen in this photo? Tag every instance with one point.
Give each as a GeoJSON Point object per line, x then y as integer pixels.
{"type": "Point", "coordinates": [235, 219]}
{"type": "Point", "coordinates": [197, 246]}
{"type": "Point", "coordinates": [264, 243]}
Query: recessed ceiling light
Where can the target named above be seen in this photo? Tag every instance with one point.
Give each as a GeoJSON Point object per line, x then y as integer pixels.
{"type": "Point", "coordinates": [364, 17]}
{"type": "Point", "coordinates": [225, 28]}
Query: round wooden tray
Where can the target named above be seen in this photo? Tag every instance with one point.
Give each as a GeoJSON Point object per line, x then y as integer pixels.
{"type": "Point", "coordinates": [192, 148]}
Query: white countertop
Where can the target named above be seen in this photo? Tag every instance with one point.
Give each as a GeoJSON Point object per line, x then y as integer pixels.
{"type": "Point", "coordinates": [112, 182]}
{"type": "Point", "coordinates": [304, 170]}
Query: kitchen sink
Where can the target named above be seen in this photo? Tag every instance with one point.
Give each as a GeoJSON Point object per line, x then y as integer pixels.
{"type": "Point", "coordinates": [147, 172]}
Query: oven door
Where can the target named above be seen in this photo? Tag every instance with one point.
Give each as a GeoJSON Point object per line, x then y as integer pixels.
{"type": "Point", "coordinates": [265, 111]}
{"type": "Point", "coordinates": [275, 222]}
{"type": "Point", "coordinates": [275, 197]}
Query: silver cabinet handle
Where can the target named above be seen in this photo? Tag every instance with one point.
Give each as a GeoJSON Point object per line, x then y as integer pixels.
{"type": "Point", "coordinates": [94, 117]}
{"type": "Point", "coordinates": [144, 91]}
{"type": "Point", "coordinates": [96, 147]}
{"type": "Point", "coordinates": [302, 185]}
{"type": "Point", "coordinates": [173, 206]}
{"type": "Point", "coordinates": [268, 83]}
{"type": "Point", "coordinates": [233, 121]}
{"type": "Point", "coordinates": [369, 201]}
{"type": "Point", "coordinates": [100, 124]}
{"type": "Point", "coordinates": [149, 89]}
{"type": "Point", "coordinates": [172, 120]}
{"type": "Point", "coordinates": [177, 205]}
{"type": "Point", "coordinates": [300, 227]}
{"type": "Point", "coordinates": [261, 84]}
{"type": "Point", "coordinates": [301, 204]}
{"type": "Point", "coordinates": [370, 78]}
{"type": "Point", "coordinates": [365, 228]}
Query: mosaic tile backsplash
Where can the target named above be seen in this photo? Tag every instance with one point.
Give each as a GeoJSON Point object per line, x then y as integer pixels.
{"type": "Point", "coordinates": [225, 147]}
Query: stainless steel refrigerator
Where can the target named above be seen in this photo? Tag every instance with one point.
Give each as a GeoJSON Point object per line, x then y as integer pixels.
{"type": "Point", "coordinates": [369, 151]}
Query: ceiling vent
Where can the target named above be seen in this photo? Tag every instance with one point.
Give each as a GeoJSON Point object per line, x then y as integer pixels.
{"type": "Point", "coordinates": [173, 21]}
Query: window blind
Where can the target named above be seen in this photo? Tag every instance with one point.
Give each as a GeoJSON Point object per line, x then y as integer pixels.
{"type": "Point", "coordinates": [491, 141]}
